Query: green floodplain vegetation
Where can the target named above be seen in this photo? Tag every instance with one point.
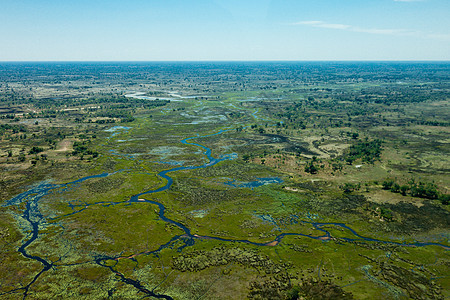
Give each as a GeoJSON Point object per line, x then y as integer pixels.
{"type": "Point", "coordinates": [359, 210]}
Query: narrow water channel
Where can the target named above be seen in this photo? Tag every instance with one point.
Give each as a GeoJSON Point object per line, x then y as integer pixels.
{"type": "Point", "coordinates": [35, 219]}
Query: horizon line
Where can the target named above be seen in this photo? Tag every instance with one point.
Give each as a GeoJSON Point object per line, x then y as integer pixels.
{"type": "Point", "coordinates": [188, 61]}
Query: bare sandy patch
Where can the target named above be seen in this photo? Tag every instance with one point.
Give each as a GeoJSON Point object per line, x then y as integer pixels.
{"type": "Point", "coordinates": [337, 148]}
{"type": "Point", "coordinates": [64, 145]}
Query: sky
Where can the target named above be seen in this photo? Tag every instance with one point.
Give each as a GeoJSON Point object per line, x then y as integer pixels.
{"type": "Point", "coordinates": [204, 30]}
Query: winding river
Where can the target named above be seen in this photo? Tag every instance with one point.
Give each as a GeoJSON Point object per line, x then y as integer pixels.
{"type": "Point", "coordinates": [35, 220]}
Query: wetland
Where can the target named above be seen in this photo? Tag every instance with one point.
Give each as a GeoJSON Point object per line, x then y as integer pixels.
{"type": "Point", "coordinates": [225, 180]}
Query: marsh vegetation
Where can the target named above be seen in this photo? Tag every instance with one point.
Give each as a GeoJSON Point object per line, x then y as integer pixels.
{"type": "Point", "coordinates": [359, 208]}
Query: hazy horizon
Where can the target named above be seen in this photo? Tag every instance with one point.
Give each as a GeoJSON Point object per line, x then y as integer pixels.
{"type": "Point", "coordinates": [225, 61]}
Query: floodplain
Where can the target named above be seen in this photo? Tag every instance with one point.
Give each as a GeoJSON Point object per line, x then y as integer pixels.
{"type": "Point", "coordinates": [225, 180]}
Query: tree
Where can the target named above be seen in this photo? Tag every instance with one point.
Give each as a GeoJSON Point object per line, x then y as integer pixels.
{"type": "Point", "coordinates": [403, 189]}
{"type": "Point", "coordinates": [445, 199]}
{"type": "Point", "coordinates": [387, 184]}
{"type": "Point", "coordinates": [311, 168]}
{"type": "Point", "coordinates": [337, 166]}
{"type": "Point", "coordinates": [395, 188]}
{"type": "Point", "coordinates": [350, 187]}
{"type": "Point", "coordinates": [21, 157]}
{"type": "Point", "coordinates": [35, 150]}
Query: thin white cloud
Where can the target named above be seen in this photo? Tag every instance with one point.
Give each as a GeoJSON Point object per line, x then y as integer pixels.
{"type": "Point", "coordinates": [395, 32]}
{"type": "Point", "coordinates": [408, 0]}
{"type": "Point", "coordinates": [324, 25]}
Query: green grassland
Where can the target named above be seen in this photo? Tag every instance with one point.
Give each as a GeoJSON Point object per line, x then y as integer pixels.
{"type": "Point", "coordinates": [275, 241]}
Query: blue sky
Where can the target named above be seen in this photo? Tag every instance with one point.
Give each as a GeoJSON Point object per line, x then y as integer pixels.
{"type": "Point", "coordinates": [148, 30]}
